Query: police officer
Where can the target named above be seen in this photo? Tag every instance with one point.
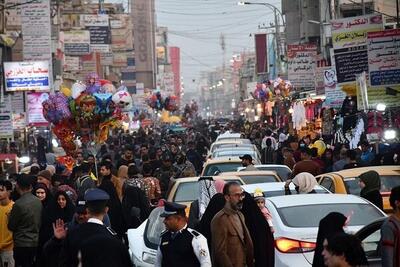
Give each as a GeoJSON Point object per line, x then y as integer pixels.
{"type": "Point", "coordinates": [181, 246]}
{"type": "Point", "coordinates": [92, 243]}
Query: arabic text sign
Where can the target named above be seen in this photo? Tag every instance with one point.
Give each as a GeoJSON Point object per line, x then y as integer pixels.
{"type": "Point", "coordinates": [349, 62]}
{"type": "Point", "coordinates": [352, 31]}
{"type": "Point", "coordinates": [6, 125]}
{"type": "Point", "coordinates": [301, 65]}
{"type": "Point", "coordinates": [35, 108]}
{"type": "Point", "coordinates": [24, 76]}
{"type": "Point", "coordinates": [100, 20]}
{"type": "Point", "coordinates": [378, 95]}
{"type": "Point", "coordinates": [36, 30]}
{"type": "Point", "coordinates": [76, 43]}
{"type": "Point", "coordinates": [384, 57]}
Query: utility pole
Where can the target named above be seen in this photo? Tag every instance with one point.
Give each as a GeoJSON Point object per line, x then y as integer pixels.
{"type": "Point", "coordinates": [278, 40]}
{"type": "Point", "coordinates": [363, 6]}
{"type": "Point", "coordinates": [398, 14]}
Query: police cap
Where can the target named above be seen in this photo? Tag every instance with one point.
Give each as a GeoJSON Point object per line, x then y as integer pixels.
{"type": "Point", "coordinates": [96, 194]}
{"type": "Point", "coordinates": [171, 208]}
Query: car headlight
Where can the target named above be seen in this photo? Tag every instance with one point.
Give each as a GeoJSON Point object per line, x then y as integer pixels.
{"type": "Point", "coordinates": [149, 258]}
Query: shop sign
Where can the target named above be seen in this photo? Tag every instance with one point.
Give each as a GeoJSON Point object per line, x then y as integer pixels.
{"type": "Point", "coordinates": [36, 30]}
{"type": "Point", "coordinates": [35, 109]}
{"type": "Point", "coordinates": [333, 93]}
{"type": "Point", "coordinates": [100, 20]}
{"type": "Point", "coordinates": [301, 66]}
{"type": "Point", "coordinates": [349, 38]}
{"type": "Point", "coordinates": [6, 125]}
{"type": "Point", "coordinates": [384, 57]}
{"type": "Point", "coordinates": [19, 120]}
{"type": "Point", "coordinates": [71, 63]}
{"type": "Point", "coordinates": [25, 76]}
{"type": "Point", "coordinates": [76, 43]}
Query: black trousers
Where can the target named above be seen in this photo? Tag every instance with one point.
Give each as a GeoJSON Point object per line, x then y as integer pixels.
{"type": "Point", "coordinates": [24, 257]}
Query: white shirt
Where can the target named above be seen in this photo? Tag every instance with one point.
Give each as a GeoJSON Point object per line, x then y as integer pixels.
{"type": "Point", "coordinates": [94, 220]}
{"type": "Point", "coordinates": [200, 249]}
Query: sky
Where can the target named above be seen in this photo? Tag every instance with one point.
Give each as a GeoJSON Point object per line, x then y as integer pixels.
{"type": "Point", "coordinates": [196, 26]}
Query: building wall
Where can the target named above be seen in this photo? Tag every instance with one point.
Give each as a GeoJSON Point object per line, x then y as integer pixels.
{"type": "Point", "coordinates": [175, 60]}
{"type": "Point", "coordinates": [144, 41]}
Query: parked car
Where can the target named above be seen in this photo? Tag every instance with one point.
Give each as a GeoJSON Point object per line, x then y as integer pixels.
{"type": "Point", "coordinates": [224, 164]}
{"type": "Point", "coordinates": [282, 170]}
{"type": "Point", "coordinates": [227, 152]}
{"type": "Point", "coordinates": [296, 219]}
{"type": "Point", "coordinates": [254, 177]}
{"type": "Point", "coordinates": [346, 181]}
{"type": "Point", "coordinates": [217, 144]}
{"type": "Point", "coordinates": [228, 136]}
{"type": "Point", "coordinates": [278, 189]}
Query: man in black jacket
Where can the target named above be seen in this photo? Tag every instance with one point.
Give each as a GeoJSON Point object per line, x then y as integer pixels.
{"type": "Point", "coordinates": [78, 244]}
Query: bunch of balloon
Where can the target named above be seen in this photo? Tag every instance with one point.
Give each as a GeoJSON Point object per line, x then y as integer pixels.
{"type": "Point", "coordinates": [86, 112]}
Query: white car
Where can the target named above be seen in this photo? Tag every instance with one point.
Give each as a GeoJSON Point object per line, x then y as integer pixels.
{"type": "Point", "coordinates": [228, 136]}
{"type": "Point", "coordinates": [296, 219]}
{"type": "Point", "coordinates": [144, 240]}
{"type": "Point", "coordinates": [282, 170]}
{"type": "Point", "coordinates": [278, 189]}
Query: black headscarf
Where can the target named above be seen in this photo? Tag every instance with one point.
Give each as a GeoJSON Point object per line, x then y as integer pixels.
{"type": "Point", "coordinates": [330, 225]}
{"type": "Point", "coordinates": [217, 203]}
{"type": "Point", "coordinates": [49, 196]}
{"type": "Point", "coordinates": [260, 232]}
{"type": "Point", "coordinates": [56, 212]}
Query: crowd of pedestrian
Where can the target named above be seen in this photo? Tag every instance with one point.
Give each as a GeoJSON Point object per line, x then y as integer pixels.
{"type": "Point", "coordinates": [53, 216]}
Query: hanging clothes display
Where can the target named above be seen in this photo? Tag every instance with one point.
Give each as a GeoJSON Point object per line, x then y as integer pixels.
{"type": "Point", "coordinates": [354, 136]}
{"type": "Point", "coordinates": [299, 116]}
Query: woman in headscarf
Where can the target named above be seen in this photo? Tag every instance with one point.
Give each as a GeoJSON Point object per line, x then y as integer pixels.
{"type": "Point", "coordinates": [206, 191]}
{"type": "Point", "coordinates": [330, 225]}
{"type": "Point", "coordinates": [304, 183]}
{"type": "Point", "coordinates": [61, 207]}
{"type": "Point", "coordinates": [370, 184]}
{"type": "Point", "coordinates": [43, 193]}
{"type": "Point", "coordinates": [260, 232]}
{"type": "Point", "coordinates": [216, 203]}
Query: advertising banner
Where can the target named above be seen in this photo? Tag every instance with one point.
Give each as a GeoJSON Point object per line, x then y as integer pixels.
{"type": "Point", "coordinates": [18, 102]}
{"type": "Point", "coordinates": [19, 121]}
{"type": "Point", "coordinates": [27, 76]}
{"type": "Point", "coordinates": [100, 38]}
{"type": "Point", "coordinates": [13, 21]}
{"type": "Point", "coordinates": [36, 26]}
{"type": "Point", "coordinates": [384, 57]}
{"type": "Point", "coordinates": [349, 38]}
{"type": "Point", "coordinates": [261, 53]}
{"type": "Point", "coordinates": [301, 66]}
{"type": "Point", "coordinates": [71, 63]}
{"type": "Point", "coordinates": [319, 80]}
{"type": "Point", "coordinates": [35, 109]}
{"type": "Point", "coordinates": [100, 20]}
{"type": "Point", "coordinates": [76, 43]}
{"type": "Point", "coordinates": [6, 125]}
{"type": "Point", "coordinates": [334, 94]}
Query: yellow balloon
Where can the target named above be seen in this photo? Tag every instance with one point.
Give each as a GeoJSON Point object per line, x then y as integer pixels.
{"type": "Point", "coordinates": [321, 146]}
{"type": "Point", "coordinates": [66, 91]}
{"type": "Point", "coordinates": [166, 118]}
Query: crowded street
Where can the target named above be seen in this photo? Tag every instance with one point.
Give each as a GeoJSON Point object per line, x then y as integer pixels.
{"type": "Point", "coordinates": [211, 133]}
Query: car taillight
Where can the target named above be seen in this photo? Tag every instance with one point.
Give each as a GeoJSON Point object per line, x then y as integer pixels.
{"type": "Point", "coordinates": [287, 245]}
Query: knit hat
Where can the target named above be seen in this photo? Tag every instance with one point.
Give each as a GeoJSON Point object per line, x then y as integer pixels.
{"type": "Point", "coordinates": [45, 174]}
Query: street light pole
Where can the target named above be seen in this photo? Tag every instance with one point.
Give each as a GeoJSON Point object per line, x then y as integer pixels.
{"type": "Point", "coordinates": [277, 28]}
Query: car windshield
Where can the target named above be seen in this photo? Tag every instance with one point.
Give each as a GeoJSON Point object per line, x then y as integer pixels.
{"type": "Point", "coordinates": [216, 168]}
{"type": "Point", "coordinates": [387, 182]}
{"type": "Point", "coordinates": [154, 227]}
{"type": "Point", "coordinates": [233, 153]}
{"type": "Point", "coordinates": [282, 172]}
{"type": "Point", "coordinates": [276, 193]}
{"type": "Point", "coordinates": [258, 179]}
{"type": "Point", "coordinates": [310, 215]}
{"type": "Point", "coordinates": [189, 191]}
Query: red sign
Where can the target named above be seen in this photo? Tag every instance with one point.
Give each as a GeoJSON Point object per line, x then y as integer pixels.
{"type": "Point", "coordinates": [261, 53]}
